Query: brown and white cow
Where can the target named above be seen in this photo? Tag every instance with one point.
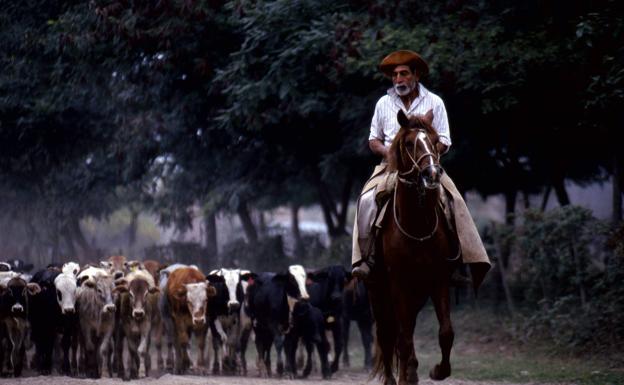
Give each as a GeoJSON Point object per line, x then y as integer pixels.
{"type": "Point", "coordinates": [187, 294]}
{"type": "Point", "coordinates": [136, 304]}
{"type": "Point", "coordinates": [116, 266]}
{"type": "Point", "coordinates": [96, 308]}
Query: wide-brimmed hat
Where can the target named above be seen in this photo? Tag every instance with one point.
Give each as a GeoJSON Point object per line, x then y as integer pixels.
{"type": "Point", "coordinates": [403, 57]}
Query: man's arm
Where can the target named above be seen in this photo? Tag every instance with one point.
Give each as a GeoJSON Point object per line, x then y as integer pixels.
{"type": "Point", "coordinates": [378, 148]}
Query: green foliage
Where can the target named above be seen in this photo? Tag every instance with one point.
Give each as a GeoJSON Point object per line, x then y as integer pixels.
{"type": "Point", "coordinates": [569, 281]}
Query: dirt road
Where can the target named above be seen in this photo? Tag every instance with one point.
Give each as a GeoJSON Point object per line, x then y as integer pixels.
{"type": "Point", "coordinates": [344, 378]}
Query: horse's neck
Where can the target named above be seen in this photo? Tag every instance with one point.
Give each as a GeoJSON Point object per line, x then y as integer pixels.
{"type": "Point", "coordinates": [416, 212]}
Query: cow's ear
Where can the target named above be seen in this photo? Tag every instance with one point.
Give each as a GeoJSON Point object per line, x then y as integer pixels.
{"type": "Point", "coordinates": [81, 280]}
{"type": "Point", "coordinates": [33, 288]}
{"type": "Point", "coordinates": [104, 264]}
{"type": "Point", "coordinates": [245, 275]}
{"type": "Point", "coordinates": [120, 289]}
{"type": "Point", "coordinates": [317, 275]}
{"type": "Point", "coordinates": [215, 278]}
{"type": "Point", "coordinates": [153, 290]}
{"type": "Point", "coordinates": [281, 277]}
{"type": "Point", "coordinates": [211, 291]}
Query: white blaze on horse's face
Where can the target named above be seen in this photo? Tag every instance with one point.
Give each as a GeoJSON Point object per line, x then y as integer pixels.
{"type": "Point", "coordinates": [196, 298]}
{"type": "Point", "coordinates": [232, 278]}
{"type": "Point", "coordinates": [430, 171]}
{"type": "Point", "coordinates": [66, 292]}
{"type": "Point", "coordinates": [299, 273]}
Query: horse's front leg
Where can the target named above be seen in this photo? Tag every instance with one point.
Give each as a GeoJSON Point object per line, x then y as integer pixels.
{"type": "Point", "coordinates": [441, 303]}
{"type": "Point", "coordinates": [406, 308]}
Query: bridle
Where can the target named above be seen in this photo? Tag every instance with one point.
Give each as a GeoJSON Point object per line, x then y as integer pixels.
{"type": "Point", "coordinates": [418, 170]}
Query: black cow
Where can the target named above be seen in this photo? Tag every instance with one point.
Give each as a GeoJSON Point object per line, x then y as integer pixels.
{"type": "Point", "coordinates": [14, 295]}
{"type": "Point", "coordinates": [53, 312]}
{"type": "Point", "coordinates": [308, 324]}
{"type": "Point", "coordinates": [326, 293]}
{"type": "Point", "coordinates": [357, 308]}
{"type": "Point", "coordinates": [271, 298]}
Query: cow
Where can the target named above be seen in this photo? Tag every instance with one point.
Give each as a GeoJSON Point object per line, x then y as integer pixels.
{"type": "Point", "coordinates": [97, 320]}
{"type": "Point", "coordinates": [357, 308]}
{"type": "Point", "coordinates": [224, 317]}
{"type": "Point", "coordinates": [272, 298]}
{"type": "Point", "coordinates": [167, 327]}
{"type": "Point", "coordinates": [5, 267]}
{"type": "Point", "coordinates": [19, 266]}
{"type": "Point", "coordinates": [308, 325]}
{"type": "Point", "coordinates": [14, 298]}
{"type": "Point", "coordinates": [116, 266]}
{"type": "Point", "coordinates": [52, 311]}
{"type": "Point", "coordinates": [326, 288]}
{"type": "Point", "coordinates": [246, 324]}
{"type": "Point", "coordinates": [187, 294]}
{"type": "Point", "coordinates": [136, 303]}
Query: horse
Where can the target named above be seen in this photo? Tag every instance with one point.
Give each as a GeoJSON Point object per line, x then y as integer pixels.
{"type": "Point", "coordinates": [416, 253]}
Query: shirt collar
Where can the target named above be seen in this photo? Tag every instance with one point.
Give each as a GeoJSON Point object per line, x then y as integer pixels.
{"type": "Point", "coordinates": [422, 92]}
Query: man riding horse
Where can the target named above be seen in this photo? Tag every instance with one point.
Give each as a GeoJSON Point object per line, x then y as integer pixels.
{"type": "Point", "coordinates": [406, 68]}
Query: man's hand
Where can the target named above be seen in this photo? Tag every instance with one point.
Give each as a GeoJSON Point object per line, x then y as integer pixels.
{"type": "Point", "coordinates": [377, 147]}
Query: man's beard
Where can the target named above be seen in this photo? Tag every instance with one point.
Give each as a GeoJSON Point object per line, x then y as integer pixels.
{"type": "Point", "coordinates": [404, 89]}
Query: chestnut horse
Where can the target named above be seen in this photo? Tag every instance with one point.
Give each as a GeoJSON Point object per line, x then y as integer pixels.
{"type": "Point", "coordinates": [416, 253]}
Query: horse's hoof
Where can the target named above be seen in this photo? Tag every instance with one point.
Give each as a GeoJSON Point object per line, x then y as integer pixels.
{"type": "Point", "coordinates": [440, 372]}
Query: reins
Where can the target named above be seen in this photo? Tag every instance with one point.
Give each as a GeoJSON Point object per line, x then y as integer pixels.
{"type": "Point", "coordinates": [417, 168]}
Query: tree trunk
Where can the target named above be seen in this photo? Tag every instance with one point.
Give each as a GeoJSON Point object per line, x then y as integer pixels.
{"type": "Point", "coordinates": [560, 191]}
{"type": "Point", "coordinates": [617, 190]}
{"type": "Point", "coordinates": [132, 228]}
{"type": "Point", "coordinates": [262, 226]}
{"type": "Point", "coordinates": [248, 226]}
{"type": "Point", "coordinates": [210, 222]}
{"type": "Point", "coordinates": [294, 214]}
{"type": "Point", "coordinates": [334, 220]}
{"type": "Point", "coordinates": [77, 235]}
{"type": "Point", "coordinates": [510, 206]}
{"type": "Point", "coordinates": [547, 190]}
{"type": "Point", "coordinates": [69, 243]}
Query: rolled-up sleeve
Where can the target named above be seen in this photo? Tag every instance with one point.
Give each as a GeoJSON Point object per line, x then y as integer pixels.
{"type": "Point", "coordinates": [376, 129]}
{"type": "Point", "coordinates": [440, 122]}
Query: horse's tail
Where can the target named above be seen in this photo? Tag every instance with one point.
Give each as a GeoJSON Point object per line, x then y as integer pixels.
{"type": "Point", "coordinates": [386, 347]}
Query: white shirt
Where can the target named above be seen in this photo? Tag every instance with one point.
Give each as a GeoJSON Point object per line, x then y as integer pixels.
{"type": "Point", "coordinates": [385, 125]}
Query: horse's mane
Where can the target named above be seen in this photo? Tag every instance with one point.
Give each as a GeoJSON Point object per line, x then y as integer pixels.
{"type": "Point", "coordinates": [416, 122]}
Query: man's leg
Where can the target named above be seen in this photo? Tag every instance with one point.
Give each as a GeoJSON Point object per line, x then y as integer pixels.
{"type": "Point", "coordinates": [366, 210]}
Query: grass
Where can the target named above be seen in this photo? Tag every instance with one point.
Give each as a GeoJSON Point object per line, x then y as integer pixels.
{"type": "Point", "coordinates": [485, 351]}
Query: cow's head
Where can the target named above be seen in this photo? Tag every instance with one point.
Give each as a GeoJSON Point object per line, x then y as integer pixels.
{"type": "Point", "coordinates": [14, 295]}
{"type": "Point", "coordinates": [116, 265]}
{"type": "Point", "coordinates": [71, 268]}
{"type": "Point", "coordinates": [196, 296]}
{"type": "Point", "coordinates": [65, 285]}
{"type": "Point", "coordinates": [298, 274]}
{"type": "Point", "coordinates": [103, 286]}
{"type": "Point", "coordinates": [231, 278]}
{"type": "Point", "coordinates": [331, 281]}
{"type": "Point", "coordinates": [138, 289]}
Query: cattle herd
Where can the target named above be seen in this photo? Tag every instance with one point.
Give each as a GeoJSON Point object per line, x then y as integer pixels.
{"type": "Point", "coordinates": [103, 319]}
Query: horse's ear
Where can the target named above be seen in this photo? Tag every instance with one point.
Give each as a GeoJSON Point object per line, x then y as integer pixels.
{"type": "Point", "coordinates": [428, 117]}
{"type": "Point", "coordinates": [402, 119]}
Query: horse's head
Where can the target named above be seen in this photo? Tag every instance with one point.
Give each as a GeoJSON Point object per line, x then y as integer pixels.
{"type": "Point", "coordinates": [414, 151]}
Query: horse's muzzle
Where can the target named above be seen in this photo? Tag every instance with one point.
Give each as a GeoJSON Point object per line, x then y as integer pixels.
{"type": "Point", "coordinates": [431, 176]}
